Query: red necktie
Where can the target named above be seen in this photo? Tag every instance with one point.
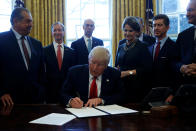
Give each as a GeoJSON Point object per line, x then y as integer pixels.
{"type": "Point", "coordinates": [26, 54]}
{"type": "Point", "coordinates": [59, 56]}
{"type": "Point", "coordinates": [157, 50]}
{"type": "Point", "coordinates": [93, 89]}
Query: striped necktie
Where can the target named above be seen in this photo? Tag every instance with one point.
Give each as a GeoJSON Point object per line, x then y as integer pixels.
{"type": "Point", "coordinates": [25, 51]}
{"type": "Point", "coordinates": [157, 50]}
{"type": "Point", "coordinates": [89, 44]}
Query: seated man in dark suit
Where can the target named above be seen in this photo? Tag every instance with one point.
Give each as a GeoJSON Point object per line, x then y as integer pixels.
{"type": "Point", "coordinates": [22, 66]}
{"type": "Point", "coordinates": [93, 84]}
{"type": "Point", "coordinates": [84, 45]}
{"type": "Point", "coordinates": [58, 59]}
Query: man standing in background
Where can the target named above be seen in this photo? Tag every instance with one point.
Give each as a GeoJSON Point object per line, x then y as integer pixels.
{"type": "Point", "coordinates": [58, 59]}
{"type": "Point", "coordinates": [163, 54]}
{"type": "Point", "coordinates": [84, 45]}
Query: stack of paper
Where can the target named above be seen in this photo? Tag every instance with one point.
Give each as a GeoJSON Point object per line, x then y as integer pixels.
{"type": "Point", "coordinates": [54, 119]}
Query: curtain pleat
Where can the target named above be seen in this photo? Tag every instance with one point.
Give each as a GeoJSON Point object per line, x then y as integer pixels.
{"type": "Point", "coordinates": [45, 13]}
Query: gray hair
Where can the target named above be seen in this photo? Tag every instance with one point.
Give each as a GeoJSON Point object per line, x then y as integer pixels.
{"type": "Point", "coordinates": [17, 14]}
{"type": "Point", "coordinates": [58, 23]}
{"type": "Point", "coordinates": [101, 53]}
{"type": "Point", "coordinates": [132, 22]}
{"type": "Point", "coordinates": [88, 20]}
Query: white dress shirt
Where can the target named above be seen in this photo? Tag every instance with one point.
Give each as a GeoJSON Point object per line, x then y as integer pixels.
{"type": "Point", "coordinates": [56, 48]}
{"type": "Point", "coordinates": [98, 82]}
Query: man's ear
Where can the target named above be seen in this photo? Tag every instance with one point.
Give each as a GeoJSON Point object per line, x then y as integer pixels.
{"type": "Point", "coordinates": [168, 27]}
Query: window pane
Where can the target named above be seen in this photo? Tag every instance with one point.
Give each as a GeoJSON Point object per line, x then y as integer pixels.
{"type": "Point", "coordinates": [176, 10]}
{"type": "Point", "coordinates": [173, 25]}
{"type": "Point", "coordinates": [4, 23]}
{"type": "Point", "coordinates": [5, 12]}
{"type": "Point", "coordinates": [169, 6]}
{"type": "Point", "coordinates": [183, 22]}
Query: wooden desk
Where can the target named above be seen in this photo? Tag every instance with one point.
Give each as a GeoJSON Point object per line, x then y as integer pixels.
{"type": "Point", "coordinates": [19, 116]}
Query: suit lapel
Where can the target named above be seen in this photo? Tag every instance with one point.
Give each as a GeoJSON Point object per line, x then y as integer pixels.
{"type": "Point", "coordinates": [52, 55]}
{"type": "Point", "coordinates": [151, 49]}
{"type": "Point", "coordinates": [103, 82]}
{"type": "Point", "coordinates": [163, 49]}
{"type": "Point", "coordinates": [33, 53]}
{"type": "Point", "coordinates": [83, 45]}
{"type": "Point", "coordinates": [65, 57]}
{"type": "Point", "coordinates": [94, 42]}
{"type": "Point", "coordinates": [16, 49]}
{"type": "Point", "coordinates": [86, 81]}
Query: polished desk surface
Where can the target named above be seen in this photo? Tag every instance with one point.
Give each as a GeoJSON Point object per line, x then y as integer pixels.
{"type": "Point", "coordinates": [18, 118]}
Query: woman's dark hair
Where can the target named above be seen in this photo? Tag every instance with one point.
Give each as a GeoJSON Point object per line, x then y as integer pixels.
{"type": "Point", "coordinates": [132, 22]}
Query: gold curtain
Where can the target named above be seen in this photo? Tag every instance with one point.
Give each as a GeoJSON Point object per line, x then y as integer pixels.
{"type": "Point", "coordinates": [45, 13]}
{"type": "Point", "coordinates": [121, 9]}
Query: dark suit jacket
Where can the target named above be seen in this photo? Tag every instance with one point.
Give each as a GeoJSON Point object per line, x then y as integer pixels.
{"type": "Point", "coordinates": [81, 50]}
{"type": "Point", "coordinates": [54, 76]}
{"type": "Point", "coordinates": [24, 86]}
{"type": "Point", "coordinates": [77, 82]}
{"type": "Point", "coordinates": [185, 53]}
{"type": "Point", "coordinates": [185, 46]}
{"type": "Point", "coordinates": [163, 74]}
{"type": "Point", "coordinates": [149, 40]}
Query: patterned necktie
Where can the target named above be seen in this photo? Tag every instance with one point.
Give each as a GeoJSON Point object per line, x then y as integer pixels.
{"type": "Point", "coordinates": [26, 54]}
{"type": "Point", "coordinates": [59, 56]}
{"type": "Point", "coordinates": [89, 45]}
{"type": "Point", "coordinates": [157, 50]}
{"type": "Point", "coordinates": [93, 89]}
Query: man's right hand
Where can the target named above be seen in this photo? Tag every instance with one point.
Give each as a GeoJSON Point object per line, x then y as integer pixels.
{"type": "Point", "coordinates": [76, 103]}
{"type": "Point", "coordinates": [7, 100]}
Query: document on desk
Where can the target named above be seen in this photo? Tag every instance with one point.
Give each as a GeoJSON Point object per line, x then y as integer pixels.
{"type": "Point", "coordinates": [86, 112]}
{"type": "Point", "coordinates": [115, 109]}
{"type": "Point", "coordinates": [54, 119]}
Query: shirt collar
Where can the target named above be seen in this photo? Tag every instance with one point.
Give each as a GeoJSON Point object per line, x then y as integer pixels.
{"type": "Point", "coordinates": [163, 40]}
{"type": "Point", "coordinates": [18, 36]}
{"type": "Point", "coordinates": [87, 38]}
{"type": "Point", "coordinates": [56, 44]}
{"type": "Point", "coordinates": [91, 77]}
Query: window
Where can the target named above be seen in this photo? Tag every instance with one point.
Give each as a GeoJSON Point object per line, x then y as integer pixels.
{"type": "Point", "coordinates": [79, 10]}
{"type": "Point", "coordinates": [6, 7]}
{"type": "Point", "coordinates": [176, 11]}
